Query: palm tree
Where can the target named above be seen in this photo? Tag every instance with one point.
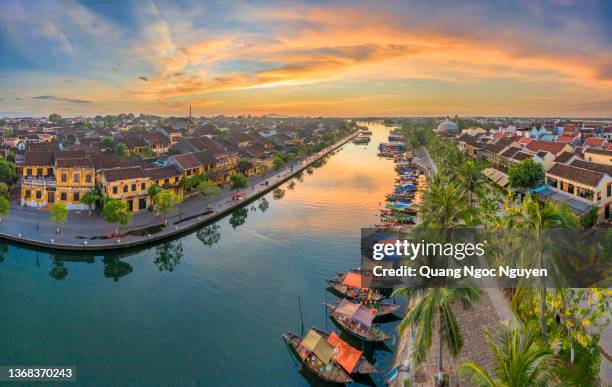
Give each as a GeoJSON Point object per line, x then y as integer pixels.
{"type": "Point", "coordinates": [471, 179]}
{"type": "Point", "coordinates": [538, 217]}
{"type": "Point", "coordinates": [520, 359]}
{"type": "Point", "coordinates": [443, 204]}
{"type": "Point", "coordinates": [429, 304]}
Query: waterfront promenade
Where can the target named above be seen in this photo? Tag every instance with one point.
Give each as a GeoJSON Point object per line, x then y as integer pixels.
{"type": "Point", "coordinates": [83, 232]}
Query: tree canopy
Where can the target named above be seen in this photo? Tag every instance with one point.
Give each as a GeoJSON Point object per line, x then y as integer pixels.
{"type": "Point", "coordinates": [526, 174]}
{"type": "Point", "coordinates": [239, 181]}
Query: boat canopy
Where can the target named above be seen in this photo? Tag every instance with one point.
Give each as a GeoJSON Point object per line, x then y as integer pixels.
{"type": "Point", "coordinates": [356, 280]}
{"type": "Point", "coordinates": [356, 312]}
{"type": "Point", "coordinates": [346, 356]}
{"type": "Point", "coordinates": [319, 346]}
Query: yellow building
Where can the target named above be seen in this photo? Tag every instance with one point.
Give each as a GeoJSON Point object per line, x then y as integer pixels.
{"type": "Point", "coordinates": [599, 156]}
{"type": "Point", "coordinates": [74, 178]}
{"type": "Point", "coordinates": [128, 184]}
{"type": "Point", "coordinates": [38, 184]}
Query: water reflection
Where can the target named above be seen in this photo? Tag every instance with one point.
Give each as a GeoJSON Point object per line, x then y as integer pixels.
{"type": "Point", "coordinates": [239, 217]}
{"type": "Point", "coordinates": [58, 269]}
{"type": "Point", "coordinates": [3, 251]}
{"type": "Point", "coordinates": [264, 204]}
{"type": "Point", "coordinates": [168, 255]}
{"type": "Point", "coordinates": [209, 235]}
{"type": "Point", "coordinates": [278, 193]}
{"type": "Point", "coordinates": [116, 268]}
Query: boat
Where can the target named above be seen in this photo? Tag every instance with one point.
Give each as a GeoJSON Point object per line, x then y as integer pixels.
{"type": "Point", "coordinates": [354, 286]}
{"type": "Point", "coordinates": [349, 358]}
{"type": "Point", "coordinates": [357, 320]}
{"type": "Point", "coordinates": [315, 353]}
{"type": "Point", "coordinates": [381, 309]}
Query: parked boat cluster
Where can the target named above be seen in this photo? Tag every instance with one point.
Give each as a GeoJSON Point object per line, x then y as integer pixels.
{"type": "Point", "coordinates": [363, 137]}
{"type": "Point", "coordinates": [402, 204]}
{"type": "Point", "coordinates": [358, 315]}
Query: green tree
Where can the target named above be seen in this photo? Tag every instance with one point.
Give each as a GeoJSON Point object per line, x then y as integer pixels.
{"type": "Point", "coordinates": [10, 156]}
{"type": "Point", "coordinates": [526, 174]}
{"type": "Point", "coordinates": [520, 359]}
{"type": "Point", "coordinates": [7, 172]}
{"type": "Point", "coordinates": [431, 304]}
{"type": "Point", "coordinates": [4, 206]}
{"type": "Point", "coordinates": [4, 190]}
{"type": "Point", "coordinates": [244, 165]}
{"type": "Point", "coordinates": [238, 181]}
{"type": "Point", "coordinates": [59, 215]}
{"type": "Point", "coordinates": [209, 189]}
{"type": "Point", "coordinates": [444, 204]}
{"type": "Point", "coordinates": [121, 149]}
{"type": "Point", "coordinates": [55, 118]}
{"type": "Point", "coordinates": [165, 201]}
{"type": "Point", "coordinates": [90, 199]}
{"type": "Point", "coordinates": [107, 141]}
{"type": "Point", "coordinates": [116, 268]}
{"type": "Point", "coordinates": [154, 190]}
{"type": "Point", "coordinates": [278, 163]}
{"type": "Point", "coordinates": [538, 217]}
{"type": "Point", "coordinates": [117, 212]}
{"type": "Point", "coordinates": [471, 179]}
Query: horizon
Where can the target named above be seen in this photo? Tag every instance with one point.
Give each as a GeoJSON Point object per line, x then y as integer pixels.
{"type": "Point", "coordinates": [317, 59]}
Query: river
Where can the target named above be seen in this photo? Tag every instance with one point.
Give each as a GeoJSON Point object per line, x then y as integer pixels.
{"type": "Point", "coordinates": [207, 308]}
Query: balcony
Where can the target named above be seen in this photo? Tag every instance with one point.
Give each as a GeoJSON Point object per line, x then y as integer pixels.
{"type": "Point", "coordinates": [41, 181]}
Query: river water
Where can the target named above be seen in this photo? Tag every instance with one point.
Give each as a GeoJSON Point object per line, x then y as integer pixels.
{"type": "Point", "coordinates": [209, 307]}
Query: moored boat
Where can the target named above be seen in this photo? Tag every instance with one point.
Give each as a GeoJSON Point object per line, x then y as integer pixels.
{"type": "Point", "coordinates": [349, 358]}
{"type": "Point", "coordinates": [316, 353]}
{"type": "Point", "coordinates": [357, 320]}
{"type": "Point", "coordinates": [354, 286]}
{"type": "Point", "coordinates": [380, 308]}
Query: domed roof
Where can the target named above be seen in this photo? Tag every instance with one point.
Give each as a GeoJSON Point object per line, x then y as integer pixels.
{"type": "Point", "coordinates": [447, 127]}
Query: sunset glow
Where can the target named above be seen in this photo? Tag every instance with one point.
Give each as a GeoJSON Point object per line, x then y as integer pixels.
{"type": "Point", "coordinates": [342, 58]}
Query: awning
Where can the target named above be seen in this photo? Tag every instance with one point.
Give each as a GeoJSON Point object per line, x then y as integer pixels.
{"type": "Point", "coordinates": [356, 312]}
{"type": "Point", "coordinates": [356, 280]}
{"type": "Point", "coordinates": [346, 356]}
{"type": "Point", "coordinates": [319, 346]}
{"type": "Point", "coordinates": [497, 176]}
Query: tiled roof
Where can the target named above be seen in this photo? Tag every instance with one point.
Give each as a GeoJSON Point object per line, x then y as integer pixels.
{"type": "Point", "coordinates": [494, 148]}
{"type": "Point", "coordinates": [599, 151]}
{"type": "Point", "coordinates": [578, 175]}
{"type": "Point", "coordinates": [38, 158]}
{"type": "Point", "coordinates": [511, 151]}
{"type": "Point", "coordinates": [564, 157]}
{"type": "Point", "coordinates": [187, 161]}
{"type": "Point", "coordinates": [162, 172]}
{"type": "Point", "coordinates": [552, 147]}
{"type": "Point", "coordinates": [205, 157]}
{"type": "Point", "coordinates": [567, 139]}
{"type": "Point", "coordinates": [114, 161]}
{"type": "Point", "coordinates": [607, 169]}
{"type": "Point", "coordinates": [594, 141]}
{"type": "Point", "coordinates": [520, 156]}
{"type": "Point", "coordinates": [117, 174]}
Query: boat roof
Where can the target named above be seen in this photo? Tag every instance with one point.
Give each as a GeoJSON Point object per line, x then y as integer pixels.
{"type": "Point", "coordinates": [356, 312]}
{"type": "Point", "coordinates": [346, 356]}
{"type": "Point", "coordinates": [319, 346]}
{"type": "Point", "coordinates": [356, 280]}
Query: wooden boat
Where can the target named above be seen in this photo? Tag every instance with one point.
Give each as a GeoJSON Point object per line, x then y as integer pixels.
{"type": "Point", "coordinates": [345, 286]}
{"type": "Point", "coordinates": [382, 309]}
{"type": "Point", "coordinates": [357, 326]}
{"type": "Point", "coordinates": [363, 366]}
{"type": "Point", "coordinates": [323, 368]}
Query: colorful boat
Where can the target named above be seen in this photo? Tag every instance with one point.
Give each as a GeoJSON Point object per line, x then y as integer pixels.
{"type": "Point", "coordinates": [357, 320]}
{"type": "Point", "coordinates": [354, 286]}
{"type": "Point", "coordinates": [316, 353]}
{"type": "Point", "coordinates": [349, 358]}
{"type": "Point", "coordinates": [380, 308]}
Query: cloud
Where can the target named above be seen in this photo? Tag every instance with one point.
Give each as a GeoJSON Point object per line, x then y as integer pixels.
{"type": "Point", "coordinates": [144, 78]}
{"type": "Point", "coordinates": [60, 99]}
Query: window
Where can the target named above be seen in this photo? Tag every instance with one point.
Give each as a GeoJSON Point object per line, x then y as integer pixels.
{"type": "Point", "coordinates": [64, 177]}
{"type": "Point", "coordinates": [88, 178]}
{"type": "Point", "coordinates": [610, 190]}
{"type": "Point", "coordinates": [125, 188]}
{"type": "Point", "coordinates": [133, 187]}
{"type": "Point", "coordinates": [63, 196]}
{"type": "Point", "coordinates": [27, 193]}
{"type": "Point", "coordinates": [143, 186]}
{"type": "Point", "coordinates": [29, 172]}
{"type": "Point", "coordinates": [75, 197]}
{"type": "Point", "coordinates": [76, 178]}
{"type": "Point", "coordinates": [38, 194]}
{"type": "Point", "coordinates": [167, 181]}
{"type": "Point", "coordinates": [114, 190]}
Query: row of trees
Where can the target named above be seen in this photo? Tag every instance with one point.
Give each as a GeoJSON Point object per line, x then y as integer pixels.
{"type": "Point", "coordinates": [459, 196]}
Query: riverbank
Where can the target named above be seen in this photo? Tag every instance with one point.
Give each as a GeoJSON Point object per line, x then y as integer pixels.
{"type": "Point", "coordinates": [31, 226]}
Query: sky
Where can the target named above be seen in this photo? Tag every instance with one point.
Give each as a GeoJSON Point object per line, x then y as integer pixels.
{"type": "Point", "coordinates": [317, 58]}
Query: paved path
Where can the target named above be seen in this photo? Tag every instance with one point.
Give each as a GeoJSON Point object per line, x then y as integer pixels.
{"type": "Point", "coordinates": [83, 232]}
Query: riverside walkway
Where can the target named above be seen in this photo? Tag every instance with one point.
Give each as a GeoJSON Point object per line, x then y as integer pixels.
{"type": "Point", "coordinates": [83, 232]}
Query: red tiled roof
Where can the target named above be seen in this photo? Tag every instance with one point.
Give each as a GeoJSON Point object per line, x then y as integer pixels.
{"type": "Point", "coordinates": [525, 140]}
{"type": "Point", "coordinates": [607, 169]}
{"type": "Point", "coordinates": [552, 147]}
{"type": "Point", "coordinates": [594, 141]}
{"type": "Point", "coordinates": [567, 139]}
{"type": "Point", "coordinates": [116, 174]}
{"type": "Point", "coordinates": [187, 161]}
